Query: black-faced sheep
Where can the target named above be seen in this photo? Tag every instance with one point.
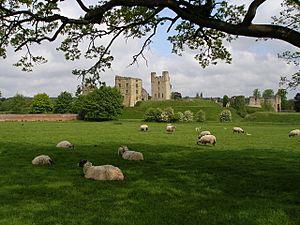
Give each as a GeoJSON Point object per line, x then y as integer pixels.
{"type": "Point", "coordinates": [129, 155]}
{"type": "Point", "coordinates": [65, 144]}
{"type": "Point", "coordinates": [238, 130]}
{"type": "Point", "coordinates": [42, 160]}
{"type": "Point", "coordinates": [104, 172]}
{"type": "Point", "coordinates": [144, 127]}
{"type": "Point", "coordinates": [170, 128]}
{"type": "Point", "coordinates": [211, 139]}
{"type": "Point", "coordinates": [295, 132]}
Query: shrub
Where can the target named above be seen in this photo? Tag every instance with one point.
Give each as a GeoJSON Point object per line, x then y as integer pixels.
{"type": "Point", "coordinates": [41, 103]}
{"type": "Point", "coordinates": [178, 117]}
{"type": "Point", "coordinates": [63, 103]}
{"type": "Point", "coordinates": [167, 115]}
{"type": "Point", "coordinates": [200, 116]}
{"type": "Point", "coordinates": [101, 104]}
{"type": "Point", "coordinates": [188, 116]}
{"type": "Point", "coordinates": [153, 115]}
{"type": "Point", "coordinates": [225, 116]}
{"type": "Point", "coordinates": [240, 105]}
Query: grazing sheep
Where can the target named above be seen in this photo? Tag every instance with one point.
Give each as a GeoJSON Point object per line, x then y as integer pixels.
{"type": "Point", "coordinates": [170, 128]}
{"type": "Point", "coordinates": [211, 139]}
{"type": "Point", "coordinates": [65, 144]}
{"type": "Point", "coordinates": [144, 127]}
{"type": "Point", "coordinates": [42, 160]}
{"type": "Point", "coordinates": [203, 133]}
{"type": "Point", "coordinates": [237, 130]}
{"type": "Point", "coordinates": [129, 155]}
{"type": "Point", "coordinates": [104, 172]}
{"type": "Point", "coordinates": [295, 132]}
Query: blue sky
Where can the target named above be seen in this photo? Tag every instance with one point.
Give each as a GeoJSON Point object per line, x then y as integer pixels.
{"type": "Point", "coordinates": [255, 65]}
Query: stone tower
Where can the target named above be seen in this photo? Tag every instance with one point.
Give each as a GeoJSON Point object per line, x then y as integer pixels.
{"type": "Point", "coordinates": [131, 90]}
{"type": "Point", "coordinates": [160, 86]}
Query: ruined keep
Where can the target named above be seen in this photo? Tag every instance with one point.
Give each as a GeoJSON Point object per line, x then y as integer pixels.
{"type": "Point", "coordinates": [131, 90]}
{"type": "Point", "coordinates": [160, 86]}
{"type": "Point", "coordinates": [275, 102]}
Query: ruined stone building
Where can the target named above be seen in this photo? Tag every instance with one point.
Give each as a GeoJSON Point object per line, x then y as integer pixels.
{"type": "Point", "coordinates": [131, 89]}
{"type": "Point", "coordinates": [275, 102]}
{"type": "Point", "coordinates": [160, 86]}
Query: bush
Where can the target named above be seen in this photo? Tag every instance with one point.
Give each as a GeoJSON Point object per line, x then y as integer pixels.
{"type": "Point", "coordinates": [188, 116]}
{"type": "Point", "coordinates": [41, 103]}
{"type": "Point", "coordinates": [240, 105]}
{"type": "Point", "coordinates": [153, 115]}
{"type": "Point", "coordinates": [168, 115]}
{"type": "Point", "coordinates": [16, 104]}
{"type": "Point", "coordinates": [225, 116]}
{"type": "Point", "coordinates": [63, 103]}
{"type": "Point", "coordinates": [101, 104]}
{"type": "Point", "coordinates": [200, 116]}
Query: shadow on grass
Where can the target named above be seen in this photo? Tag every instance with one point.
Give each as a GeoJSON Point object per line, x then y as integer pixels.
{"type": "Point", "coordinates": [174, 185]}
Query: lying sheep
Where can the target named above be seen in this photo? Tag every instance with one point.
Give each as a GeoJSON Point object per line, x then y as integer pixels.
{"type": "Point", "coordinates": [144, 127]}
{"type": "Point", "coordinates": [295, 132]}
{"type": "Point", "coordinates": [211, 139]}
{"type": "Point", "coordinates": [129, 155]}
{"type": "Point", "coordinates": [104, 172]}
{"type": "Point", "coordinates": [170, 128]}
{"type": "Point", "coordinates": [203, 133]}
{"type": "Point", "coordinates": [42, 160]}
{"type": "Point", "coordinates": [65, 144]}
{"type": "Point", "coordinates": [237, 130]}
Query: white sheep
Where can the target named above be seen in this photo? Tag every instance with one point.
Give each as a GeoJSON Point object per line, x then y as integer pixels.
{"type": "Point", "coordinates": [211, 139]}
{"type": "Point", "coordinates": [295, 132]}
{"type": "Point", "coordinates": [64, 144]}
{"type": "Point", "coordinates": [42, 160]}
{"type": "Point", "coordinates": [237, 130]}
{"type": "Point", "coordinates": [144, 127]}
{"type": "Point", "coordinates": [203, 133]}
{"type": "Point", "coordinates": [170, 128]}
{"type": "Point", "coordinates": [130, 155]}
{"type": "Point", "coordinates": [104, 172]}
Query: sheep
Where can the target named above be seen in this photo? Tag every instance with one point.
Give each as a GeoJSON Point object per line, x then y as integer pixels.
{"type": "Point", "coordinates": [170, 128]}
{"type": "Point", "coordinates": [130, 155]}
{"type": "Point", "coordinates": [207, 139]}
{"type": "Point", "coordinates": [104, 172]}
{"type": "Point", "coordinates": [65, 144]}
{"type": "Point", "coordinates": [203, 133]}
{"type": "Point", "coordinates": [295, 132]}
{"type": "Point", "coordinates": [42, 160]}
{"type": "Point", "coordinates": [237, 130]}
{"type": "Point", "coordinates": [197, 129]}
{"type": "Point", "coordinates": [144, 127]}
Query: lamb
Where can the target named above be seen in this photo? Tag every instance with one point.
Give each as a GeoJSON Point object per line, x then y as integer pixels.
{"type": "Point", "coordinates": [42, 160]}
{"type": "Point", "coordinates": [130, 155]}
{"type": "Point", "coordinates": [170, 128]}
{"type": "Point", "coordinates": [295, 132]}
{"type": "Point", "coordinates": [104, 172]}
{"type": "Point", "coordinates": [144, 127]}
{"type": "Point", "coordinates": [203, 133]}
{"type": "Point", "coordinates": [65, 144]}
{"type": "Point", "coordinates": [237, 130]}
{"type": "Point", "coordinates": [211, 139]}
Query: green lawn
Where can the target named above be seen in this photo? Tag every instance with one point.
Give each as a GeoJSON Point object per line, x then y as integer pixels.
{"type": "Point", "coordinates": [244, 179]}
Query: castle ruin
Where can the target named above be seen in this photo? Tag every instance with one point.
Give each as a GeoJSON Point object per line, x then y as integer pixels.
{"type": "Point", "coordinates": [160, 86]}
{"type": "Point", "coordinates": [275, 102]}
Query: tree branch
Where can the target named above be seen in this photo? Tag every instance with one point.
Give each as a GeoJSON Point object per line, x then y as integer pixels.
{"type": "Point", "coordinates": [252, 12]}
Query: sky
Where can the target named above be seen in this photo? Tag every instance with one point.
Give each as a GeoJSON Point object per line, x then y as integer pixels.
{"type": "Point", "coordinates": [255, 65]}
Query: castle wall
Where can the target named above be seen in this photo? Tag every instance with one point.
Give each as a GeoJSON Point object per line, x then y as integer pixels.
{"type": "Point", "coordinates": [274, 101]}
{"type": "Point", "coordinates": [160, 86]}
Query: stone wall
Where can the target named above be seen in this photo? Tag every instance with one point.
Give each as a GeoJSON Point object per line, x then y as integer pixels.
{"type": "Point", "coordinates": [38, 117]}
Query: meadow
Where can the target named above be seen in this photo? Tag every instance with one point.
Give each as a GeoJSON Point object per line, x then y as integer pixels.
{"type": "Point", "coordinates": [243, 179]}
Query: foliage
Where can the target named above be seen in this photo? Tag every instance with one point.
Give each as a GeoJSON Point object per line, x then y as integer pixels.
{"type": "Point", "coordinates": [225, 100]}
{"type": "Point", "coordinates": [188, 116]}
{"type": "Point", "coordinates": [266, 106]}
{"type": "Point", "coordinates": [297, 102]}
{"type": "Point", "coordinates": [16, 104]}
{"type": "Point", "coordinates": [167, 115]}
{"type": "Point", "coordinates": [200, 116]}
{"type": "Point", "coordinates": [101, 104]}
{"type": "Point", "coordinates": [176, 95]}
{"type": "Point", "coordinates": [202, 26]}
{"type": "Point", "coordinates": [256, 93]}
{"type": "Point", "coordinates": [240, 105]}
{"type": "Point", "coordinates": [268, 93]}
{"type": "Point", "coordinates": [63, 103]}
{"type": "Point", "coordinates": [153, 115]}
{"type": "Point", "coordinates": [225, 116]}
{"type": "Point", "coordinates": [283, 95]}
{"type": "Point", "coordinates": [41, 103]}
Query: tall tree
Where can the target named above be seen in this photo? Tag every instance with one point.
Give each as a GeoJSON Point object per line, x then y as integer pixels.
{"type": "Point", "coordinates": [41, 103]}
{"type": "Point", "coordinates": [63, 103]}
{"type": "Point", "coordinates": [283, 95]}
{"type": "Point", "coordinates": [201, 25]}
{"type": "Point", "coordinates": [256, 93]}
{"type": "Point", "coordinates": [297, 102]}
{"type": "Point", "coordinates": [268, 93]}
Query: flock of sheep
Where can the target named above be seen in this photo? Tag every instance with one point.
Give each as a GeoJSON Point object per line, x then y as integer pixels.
{"type": "Point", "coordinates": [109, 172]}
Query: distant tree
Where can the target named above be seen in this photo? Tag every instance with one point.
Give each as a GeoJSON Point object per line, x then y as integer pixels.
{"type": "Point", "coordinates": [256, 93]}
{"type": "Point", "coordinates": [201, 95]}
{"type": "Point", "coordinates": [268, 93]}
{"type": "Point", "coordinates": [283, 95]}
{"type": "Point", "coordinates": [240, 105]}
{"type": "Point", "coordinates": [41, 103]}
{"type": "Point", "coordinates": [197, 95]}
{"type": "Point", "coordinates": [176, 95]}
{"type": "Point", "coordinates": [104, 103]}
{"type": "Point", "coordinates": [225, 100]}
{"type": "Point", "coordinates": [297, 102]}
{"type": "Point", "coordinates": [0, 94]}
{"type": "Point", "coordinates": [63, 103]}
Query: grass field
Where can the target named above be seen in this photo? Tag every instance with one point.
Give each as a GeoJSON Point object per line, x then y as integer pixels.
{"type": "Point", "coordinates": [243, 180]}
